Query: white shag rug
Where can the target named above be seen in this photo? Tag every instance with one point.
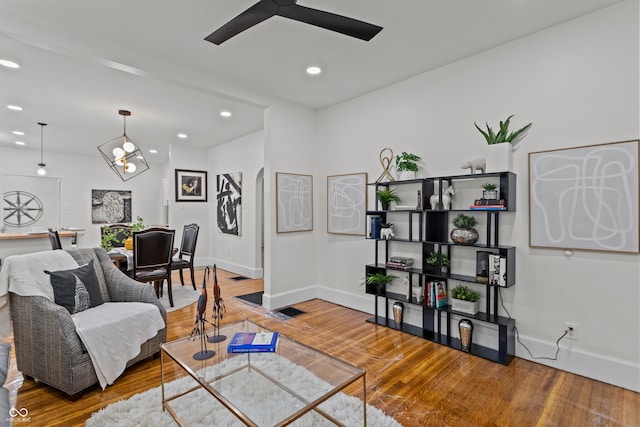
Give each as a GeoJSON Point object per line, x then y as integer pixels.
{"type": "Point", "coordinates": [182, 296]}
{"type": "Point", "coordinates": [247, 390]}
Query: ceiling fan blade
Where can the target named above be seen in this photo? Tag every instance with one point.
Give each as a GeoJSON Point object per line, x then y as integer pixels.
{"type": "Point", "coordinates": [257, 13]}
{"type": "Point", "coordinates": [330, 21]}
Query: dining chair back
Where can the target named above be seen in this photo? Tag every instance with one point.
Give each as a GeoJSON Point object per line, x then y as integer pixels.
{"type": "Point", "coordinates": [54, 239]}
{"type": "Point", "coordinates": [187, 252]}
{"type": "Point", "coordinates": [152, 251]}
{"type": "Point", "coordinates": [121, 232]}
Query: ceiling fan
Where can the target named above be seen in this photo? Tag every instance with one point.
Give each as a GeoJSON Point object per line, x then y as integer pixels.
{"type": "Point", "coordinates": [265, 9]}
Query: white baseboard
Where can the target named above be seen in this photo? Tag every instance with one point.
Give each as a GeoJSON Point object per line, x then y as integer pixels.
{"type": "Point", "coordinates": [601, 368]}
{"type": "Point", "coordinates": [250, 272]}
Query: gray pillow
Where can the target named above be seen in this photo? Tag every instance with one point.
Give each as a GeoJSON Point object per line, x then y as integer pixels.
{"type": "Point", "coordinates": [76, 289]}
{"type": "Point", "coordinates": [5, 349]}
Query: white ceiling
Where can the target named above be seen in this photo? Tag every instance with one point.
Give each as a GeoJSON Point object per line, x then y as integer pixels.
{"type": "Point", "coordinates": [68, 51]}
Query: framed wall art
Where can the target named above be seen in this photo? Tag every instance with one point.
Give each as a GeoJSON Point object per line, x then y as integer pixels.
{"type": "Point", "coordinates": [347, 204]}
{"type": "Point", "coordinates": [110, 206]}
{"type": "Point", "coordinates": [229, 198]}
{"type": "Point", "coordinates": [294, 201]}
{"type": "Point", "coordinates": [585, 198]}
{"type": "Point", "coordinates": [191, 186]}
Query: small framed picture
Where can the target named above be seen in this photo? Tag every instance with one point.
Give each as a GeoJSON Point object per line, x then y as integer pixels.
{"type": "Point", "coordinates": [191, 186]}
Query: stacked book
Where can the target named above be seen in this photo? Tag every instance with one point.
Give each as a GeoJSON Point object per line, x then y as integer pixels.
{"type": "Point", "coordinates": [400, 262]}
{"type": "Point", "coordinates": [497, 270]}
{"type": "Point", "coordinates": [253, 342]}
{"type": "Point", "coordinates": [436, 294]}
{"type": "Point", "coordinates": [488, 205]}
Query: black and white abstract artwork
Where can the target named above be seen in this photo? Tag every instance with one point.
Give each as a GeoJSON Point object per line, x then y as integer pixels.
{"type": "Point", "coordinates": [294, 200]}
{"type": "Point", "coordinates": [347, 203]}
{"type": "Point", "coordinates": [229, 196]}
{"type": "Point", "coordinates": [110, 206]}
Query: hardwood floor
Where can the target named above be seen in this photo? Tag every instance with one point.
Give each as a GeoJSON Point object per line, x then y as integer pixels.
{"type": "Point", "coordinates": [417, 382]}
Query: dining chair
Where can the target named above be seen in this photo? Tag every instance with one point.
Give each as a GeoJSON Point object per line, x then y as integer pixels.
{"type": "Point", "coordinates": [54, 239]}
{"type": "Point", "coordinates": [152, 252]}
{"type": "Point", "coordinates": [187, 249]}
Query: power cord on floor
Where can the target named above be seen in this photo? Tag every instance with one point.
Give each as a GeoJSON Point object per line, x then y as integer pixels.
{"type": "Point", "coordinates": [566, 331]}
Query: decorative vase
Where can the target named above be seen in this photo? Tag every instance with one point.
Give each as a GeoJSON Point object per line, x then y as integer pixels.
{"type": "Point", "coordinates": [406, 175]}
{"type": "Point", "coordinates": [128, 243]}
{"type": "Point", "coordinates": [499, 157]}
{"type": "Point", "coordinates": [464, 236]}
{"type": "Point", "coordinates": [398, 311]}
{"type": "Point", "coordinates": [465, 329]}
{"type": "Point", "coordinates": [490, 194]}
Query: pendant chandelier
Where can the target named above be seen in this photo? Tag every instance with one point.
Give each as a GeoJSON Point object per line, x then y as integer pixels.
{"type": "Point", "coordinates": [41, 166]}
{"type": "Point", "coordinates": [122, 155]}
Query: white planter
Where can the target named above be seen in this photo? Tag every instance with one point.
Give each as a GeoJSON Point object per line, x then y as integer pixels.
{"type": "Point", "coordinates": [406, 175]}
{"type": "Point", "coordinates": [499, 158]}
{"type": "Point", "coordinates": [465, 306]}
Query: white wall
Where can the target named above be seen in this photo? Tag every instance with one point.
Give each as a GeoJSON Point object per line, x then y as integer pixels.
{"type": "Point", "coordinates": [578, 84]}
{"type": "Point", "coordinates": [183, 213]}
{"type": "Point", "coordinates": [237, 253]}
{"type": "Point", "coordinates": [80, 175]}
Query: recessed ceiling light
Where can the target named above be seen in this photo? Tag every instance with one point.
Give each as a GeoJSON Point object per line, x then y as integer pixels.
{"type": "Point", "coordinates": [9, 64]}
{"type": "Point", "coordinates": [152, 151]}
{"type": "Point", "coordinates": [225, 114]}
{"type": "Point", "coordinates": [20, 143]}
{"type": "Point", "coordinates": [18, 132]}
{"type": "Point", "coordinates": [182, 135]}
{"type": "Point", "coordinates": [14, 107]}
{"type": "Point", "coordinates": [314, 70]}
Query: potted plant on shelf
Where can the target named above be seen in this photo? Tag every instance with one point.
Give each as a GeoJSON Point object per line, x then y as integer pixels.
{"type": "Point", "coordinates": [433, 259]}
{"type": "Point", "coordinates": [499, 154]}
{"type": "Point", "coordinates": [387, 196]}
{"type": "Point", "coordinates": [376, 282]}
{"type": "Point", "coordinates": [407, 165]}
{"type": "Point", "coordinates": [465, 300]}
{"type": "Point", "coordinates": [464, 233]}
{"type": "Point", "coordinates": [490, 191]}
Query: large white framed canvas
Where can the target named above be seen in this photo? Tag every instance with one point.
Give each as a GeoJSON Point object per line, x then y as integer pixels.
{"type": "Point", "coordinates": [294, 201]}
{"type": "Point", "coordinates": [585, 198]}
{"type": "Point", "coordinates": [347, 204]}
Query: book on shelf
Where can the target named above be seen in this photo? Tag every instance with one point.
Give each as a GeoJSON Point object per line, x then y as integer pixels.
{"type": "Point", "coordinates": [488, 202]}
{"type": "Point", "coordinates": [253, 342]}
{"type": "Point", "coordinates": [497, 270]}
{"type": "Point", "coordinates": [482, 266]}
{"type": "Point", "coordinates": [399, 265]}
{"type": "Point", "coordinates": [401, 260]}
{"type": "Point", "coordinates": [436, 294]}
{"type": "Point", "coordinates": [487, 208]}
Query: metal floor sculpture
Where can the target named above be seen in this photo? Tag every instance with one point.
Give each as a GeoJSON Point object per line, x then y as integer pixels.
{"type": "Point", "coordinates": [199, 328]}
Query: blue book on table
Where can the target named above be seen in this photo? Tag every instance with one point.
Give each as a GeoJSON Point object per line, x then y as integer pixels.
{"type": "Point", "coordinates": [253, 342]}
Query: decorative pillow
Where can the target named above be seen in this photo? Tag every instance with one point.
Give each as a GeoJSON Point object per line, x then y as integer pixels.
{"type": "Point", "coordinates": [77, 289]}
{"type": "Point", "coordinates": [5, 349]}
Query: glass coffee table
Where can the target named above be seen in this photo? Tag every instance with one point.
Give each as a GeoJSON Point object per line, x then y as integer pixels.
{"type": "Point", "coordinates": [261, 389]}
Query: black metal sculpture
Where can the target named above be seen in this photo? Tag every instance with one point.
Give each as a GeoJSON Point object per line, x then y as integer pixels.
{"type": "Point", "coordinates": [198, 329]}
{"type": "Point", "coordinates": [218, 310]}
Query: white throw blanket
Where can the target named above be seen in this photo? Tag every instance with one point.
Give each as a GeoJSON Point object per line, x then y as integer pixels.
{"type": "Point", "coordinates": [113, 333]}
{"type": "Point", "coordinates": [24, 275]}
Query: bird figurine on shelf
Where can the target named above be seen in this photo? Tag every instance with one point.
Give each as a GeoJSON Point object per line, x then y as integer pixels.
{"type": "Point", "coordinates": [218, 309]}
{"type": "Point", "coordinates": [198, 329]}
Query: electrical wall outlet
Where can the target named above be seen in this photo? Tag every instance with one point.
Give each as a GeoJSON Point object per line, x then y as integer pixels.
{"type": "Point", "coordinates": [572, 329]}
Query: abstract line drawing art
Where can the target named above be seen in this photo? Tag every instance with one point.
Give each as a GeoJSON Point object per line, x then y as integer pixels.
{"type": "Point", "coordinates": [585, 198]}
{"type": "Point", "coordinates": [346, 204]}
{"type": "Point", "coordinates": [294, 200]}
{"type": "Point", "coordinates": [229, 209]}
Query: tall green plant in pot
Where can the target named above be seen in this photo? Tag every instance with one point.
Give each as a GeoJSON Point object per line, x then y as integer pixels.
{"type": "Point", "coordinates": [464, 233]}
{"type": "Point", "coordinates": [376, 282]}
{"type": "Point", "coordinates": [499, 156]}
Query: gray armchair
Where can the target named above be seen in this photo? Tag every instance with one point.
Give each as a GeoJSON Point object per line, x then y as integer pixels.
{"type": "Point", "coordinates": [46, 343]}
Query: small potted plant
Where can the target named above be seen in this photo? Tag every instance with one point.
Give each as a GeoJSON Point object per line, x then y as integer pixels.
{"type": "Point", "coordinates": [499, 154]}
{"type": "Point", "coordinates": [464, 233]}
{"type": "Point", "coordinates": [387, 196]}
{"type": "Point", "coordinates": [407, 165]}
{"type": "Point", "coordinates": [386, 231]}
{"type": "Point", "coordinates": [433, 259]}
{"type": "Point", "coordinates": [376, 282]}
{"type": "Point", "coordinates": [465, 300]}
{"type": "Point", "coordinates": [490, 191]}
